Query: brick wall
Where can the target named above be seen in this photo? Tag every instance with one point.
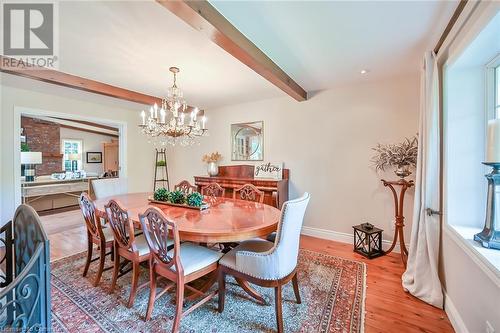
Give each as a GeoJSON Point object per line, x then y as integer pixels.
{"type": "Point", "coordinates": [44, 136]}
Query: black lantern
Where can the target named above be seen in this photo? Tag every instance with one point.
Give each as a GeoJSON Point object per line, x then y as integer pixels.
{"type": "Point", "coordinates": [368, 240]}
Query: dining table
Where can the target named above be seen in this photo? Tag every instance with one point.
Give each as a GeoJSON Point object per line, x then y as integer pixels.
{"type": "Point", "coordinates": [226, 220]}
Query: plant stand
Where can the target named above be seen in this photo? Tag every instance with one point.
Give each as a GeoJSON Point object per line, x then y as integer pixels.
{"type": "Point", "coordinates": [399, 215]}
{"type": "Point", "coordinates": [161, 155]}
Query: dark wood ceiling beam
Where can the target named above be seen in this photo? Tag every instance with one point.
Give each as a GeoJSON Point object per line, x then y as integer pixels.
{"type": "Point", "coordinates": [76, 128]}
{"type": "Point", "coordinates": [110, 128]}
{"type": "Point", "coordinates": [202, 16]}
{"type": "Point", "coordinates": [16, 67]}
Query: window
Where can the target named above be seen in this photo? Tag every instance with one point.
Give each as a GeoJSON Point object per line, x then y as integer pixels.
{"type": "Point", "coordinates": [73, 151]}
{"type": "Point", "coordinates": [471, 96]}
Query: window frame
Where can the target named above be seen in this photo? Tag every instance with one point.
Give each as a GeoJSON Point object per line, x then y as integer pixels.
{"type": "Point", "coordinates": [80, 161]}
{"type": "Point", "coordinates": [492, 99]}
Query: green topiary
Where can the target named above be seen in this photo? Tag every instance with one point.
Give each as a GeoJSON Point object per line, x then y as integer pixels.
{"type": "Point", "coordinates": [161, 194]}
{"type": "Point", "coordinates": [177, 197]}
{"type": "Point", "coordinates": [195, 199]}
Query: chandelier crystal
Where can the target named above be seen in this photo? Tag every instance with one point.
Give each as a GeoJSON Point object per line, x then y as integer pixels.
{"type": "Point", "coordinates": [167, 124]}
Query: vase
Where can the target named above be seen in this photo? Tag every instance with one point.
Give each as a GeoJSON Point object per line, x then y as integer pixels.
{"type": "Point", "coordinates": [403, 171]}
{"type": "Point", "coordinates": [212, 169]}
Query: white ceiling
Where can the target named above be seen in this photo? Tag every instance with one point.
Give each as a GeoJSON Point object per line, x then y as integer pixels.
{"type": "Point", "coordinates": [132, 45]}
{"type": "Point", "coordinates": [319, 44]}
{"type": "Point", "coordinates": [324, 43]}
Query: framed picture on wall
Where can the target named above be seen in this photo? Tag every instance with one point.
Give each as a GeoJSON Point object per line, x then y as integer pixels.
{"type": "Point", "coordinates": [94, 157]}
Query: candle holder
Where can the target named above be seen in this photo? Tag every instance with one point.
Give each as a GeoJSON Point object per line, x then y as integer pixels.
{"type": "Point", "coordinates": [490, 236]}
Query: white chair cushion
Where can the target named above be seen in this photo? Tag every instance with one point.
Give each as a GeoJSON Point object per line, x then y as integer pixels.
{"type": "Point", "coordinates": [141, 245]}
{"type": "Point", "coordinates": [107, 187]}
{"type": "Point", "coordinates": [253, 245]}
{"type": "Point", "coordinates": [195, 257]}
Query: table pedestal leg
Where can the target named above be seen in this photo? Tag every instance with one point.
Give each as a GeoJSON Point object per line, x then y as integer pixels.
{"type": "Point", "coordinates": [250, 291]}
{"type": "Point", "coordinates": [210, 281]}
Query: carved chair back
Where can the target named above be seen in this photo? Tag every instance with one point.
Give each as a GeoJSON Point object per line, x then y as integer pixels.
{"type": "Point", "coordinates": [249, 192]}
{"type": "Point", "coordinates": [213, 190]}
{"type": "Point", "coordinates": [92, 222]}
{"type": "Point", "coordinates": [158, 231]}
{"type": "Point", "coordinates": [185, 187]}
{"type": "Point", "coordinates": [122, 226]}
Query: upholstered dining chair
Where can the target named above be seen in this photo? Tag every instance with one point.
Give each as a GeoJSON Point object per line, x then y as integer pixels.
{"type": "Point", "coordinates": [96, 234]}
{"type": "Point", "coordinates": [127, 245]}
{"type": "Point", "coordinates": [249, 192]}
{"type": "Point", "coordinates": [185, 187]}
{"type": "Point", "coordinates": [182, 264]}
{"type": "Point", "coordinates": [269, 264]}
{"type": "Point", "coordinates": [213, 190]}
{"type": "Point", "coordinates": [106, 187]}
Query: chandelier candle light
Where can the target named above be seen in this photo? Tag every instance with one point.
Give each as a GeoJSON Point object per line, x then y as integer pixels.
{"type": "Point", "coordinates": [167, 124]}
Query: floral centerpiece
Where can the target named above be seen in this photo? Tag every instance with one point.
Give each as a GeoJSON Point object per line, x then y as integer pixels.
{"type": "Point", "coordinates": [212, 159]}
{"type": "Point", "coordinates": [402, 156]}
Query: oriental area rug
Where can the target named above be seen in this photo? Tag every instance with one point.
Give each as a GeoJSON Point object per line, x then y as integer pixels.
{"type": "Point", "coordinates": [332, 291]}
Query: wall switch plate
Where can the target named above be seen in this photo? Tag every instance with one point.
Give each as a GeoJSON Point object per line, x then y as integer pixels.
{"type": "Point", "coordinates": [489, 328]}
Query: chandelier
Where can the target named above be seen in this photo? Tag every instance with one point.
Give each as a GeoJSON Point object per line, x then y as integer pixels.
{"type": "Point", "coordinates": [167, 124]}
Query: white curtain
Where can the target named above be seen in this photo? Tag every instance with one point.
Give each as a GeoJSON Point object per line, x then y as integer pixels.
{"type": "Point", "coordinates": [421, 277]}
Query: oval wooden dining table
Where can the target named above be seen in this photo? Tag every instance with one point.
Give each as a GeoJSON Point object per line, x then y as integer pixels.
{"type": "Point", "coordinates": [227, 220]}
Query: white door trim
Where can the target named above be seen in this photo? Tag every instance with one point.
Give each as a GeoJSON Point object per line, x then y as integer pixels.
{"type": "Point", "coordinates": [16, 158]}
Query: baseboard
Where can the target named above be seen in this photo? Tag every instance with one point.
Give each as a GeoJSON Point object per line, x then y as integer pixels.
{"type": "Point", "coordinates": [454, 316]}
{"type": "Point", "coordinates": [340, 237]}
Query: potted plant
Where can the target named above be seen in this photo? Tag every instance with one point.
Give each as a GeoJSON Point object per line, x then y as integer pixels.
{"type": "Point", "coordinates": [212, 160]}
{"type": "Point", "coordinates": [161, 194]}
{"type": "Point", "coordinates": [402, 156]}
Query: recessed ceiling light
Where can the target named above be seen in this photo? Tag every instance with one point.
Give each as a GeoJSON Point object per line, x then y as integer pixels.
{"type": "Point", "coordinates": [364, 71]}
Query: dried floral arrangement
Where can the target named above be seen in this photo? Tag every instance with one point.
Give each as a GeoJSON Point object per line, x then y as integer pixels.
{"type": "Point", "coordinates": [213, 157]}
{"type": "Point", "coordinates": [396, 155]}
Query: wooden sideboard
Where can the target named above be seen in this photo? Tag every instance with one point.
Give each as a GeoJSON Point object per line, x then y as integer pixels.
{"type": "Point", "coordinates": [231, 177]}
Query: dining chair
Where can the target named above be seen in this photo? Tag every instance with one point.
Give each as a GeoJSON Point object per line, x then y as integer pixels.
{"type": "Point", "coordinates": [249, 192]}
{"type": "Point", "coordinates": [213, 190]}
{"type": "Point", "coordinates": [269, 264]}
{"type": "Point", "coordinates": [126, 245]}
{"type": "Point", "coordinates": [182, 264]}
{"type": "Point", "coordinates": [106, 187]}
{"type": "Point", "coordinates": [96, 234]}
{"type": "Point", "coordinates": [185, 187]}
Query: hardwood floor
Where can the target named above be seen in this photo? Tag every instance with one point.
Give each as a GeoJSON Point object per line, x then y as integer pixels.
{"type": "Point", "coordinates": [388, 307]}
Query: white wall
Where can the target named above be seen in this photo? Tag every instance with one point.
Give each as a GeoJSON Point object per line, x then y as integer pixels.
{"type": "Point", "coordinates": [21, 92]}
{"type": "Point", "coordinates": [92, 142]}
{"type": "Point", "coordinates": [326, 143]}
